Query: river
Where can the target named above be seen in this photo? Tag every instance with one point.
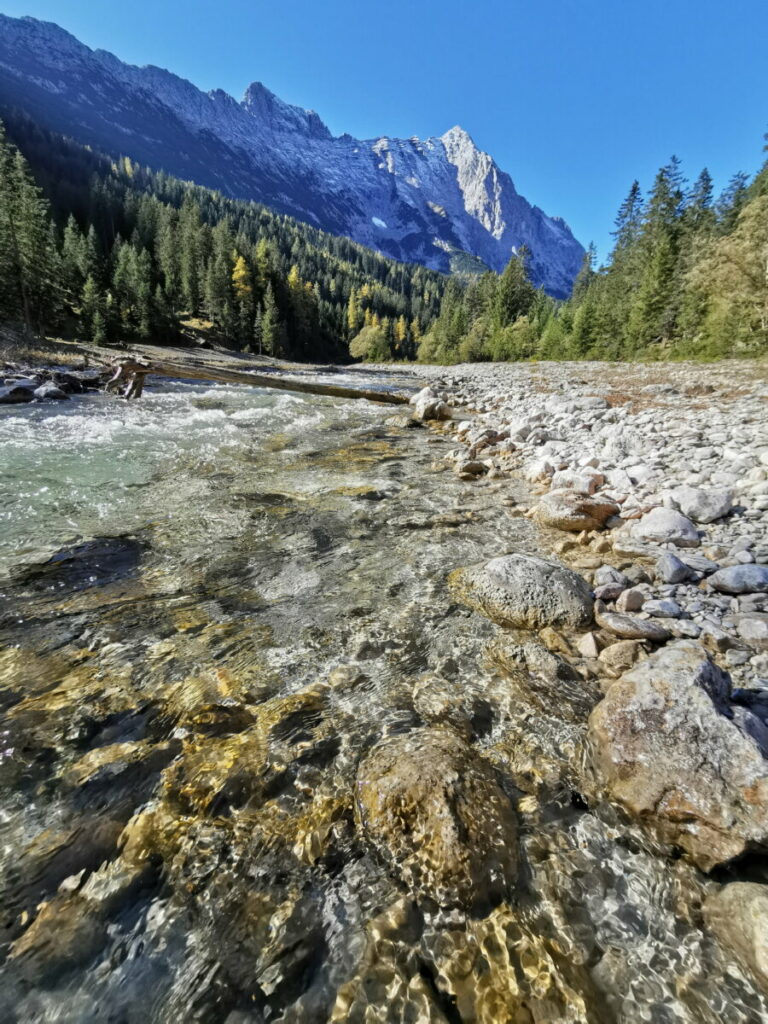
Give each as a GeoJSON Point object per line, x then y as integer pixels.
{"type": "Point", "coordinates": [214, 602]}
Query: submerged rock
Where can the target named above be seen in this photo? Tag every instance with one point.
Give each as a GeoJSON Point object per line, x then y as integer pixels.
{"type": "Point", "coordinates": [574, 512]}
{"type": "Point", "coordinates": [663, 750]}
{"type": "Point", "coordinates": [738, 915]}
{"type": "Point", "coordinates": [525, 592]}
{"type": "Point", "coordinates": [434, 810]}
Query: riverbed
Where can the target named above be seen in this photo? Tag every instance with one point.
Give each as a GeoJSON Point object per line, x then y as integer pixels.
{"type": "Point", "coordinates": [214, 603]}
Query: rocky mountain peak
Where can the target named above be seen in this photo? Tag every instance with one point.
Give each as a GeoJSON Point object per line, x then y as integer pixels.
{"type": "Point", "coordinates": [417, 201]}
{"type": "Point", "coordinates": [275, 114]}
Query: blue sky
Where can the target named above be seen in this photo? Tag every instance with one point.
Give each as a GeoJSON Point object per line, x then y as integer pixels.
{"type": "Point", "coordinates": [574, 98]}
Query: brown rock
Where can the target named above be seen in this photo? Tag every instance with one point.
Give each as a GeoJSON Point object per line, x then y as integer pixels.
{"type": "Point", "coordinates": [566, 510]}
{"type": "Point", "coordinates": [434, 810]}
{"type": "Point", "coordinates": [662, 749]}
{"type": "Point", "coordinates": [738, 914]}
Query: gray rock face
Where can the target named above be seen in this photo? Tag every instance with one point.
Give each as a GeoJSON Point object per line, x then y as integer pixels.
{"type": "Point", "coordinates": [741, 579]}
{"type": "Point", "coordinates": [525, 592]}
{"type": "Point", "coordinates": [738, 915]}
{"type": "Point", "coordinates": [426, 201]}
{"type": "Point", "coordinates": [665, 525]}
{"type": "Point", "coordinates": [567, 510]}
{"type": "Point", "coordinates": [435, 812]}
{"type": "Point", "coordinates": [703, 506]}
{"type": "Point", "coordinates": [662, 749]}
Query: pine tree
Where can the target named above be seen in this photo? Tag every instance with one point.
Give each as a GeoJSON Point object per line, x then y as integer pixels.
{"type": "Point", "coordinates": [271, 326]}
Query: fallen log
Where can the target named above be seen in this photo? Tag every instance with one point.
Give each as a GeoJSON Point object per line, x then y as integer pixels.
{"type": "Point", "coordinates": [132, 369]}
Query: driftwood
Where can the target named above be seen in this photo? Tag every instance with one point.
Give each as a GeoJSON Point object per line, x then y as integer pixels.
{"type": "Point", "coordinates": [132, 372]}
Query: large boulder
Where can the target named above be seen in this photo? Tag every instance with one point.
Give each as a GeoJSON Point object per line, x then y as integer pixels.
{"type": "Point", "coordinates": [524, 592]}
{"type": "Point", "coordinates": [666, 526]}
{"type": "Point", "coordinates": [703, 505]}
{"type": "Point", "coordinates": [15, 393]}
{"type": "Point", "coordinates": [741, 579]}
{"type": "Point", "coordinates": [427, 405]}
{"type": "Point", "coordinates": [662, 747]}
{"type": "Point", "coordinates": [738, 915]}
{"type": "Point", "coordinates": [50, 391]}
{"type": "Point", "coordinates": [435, 812]}
{"type": "Point", "coordinates": [568, 510]}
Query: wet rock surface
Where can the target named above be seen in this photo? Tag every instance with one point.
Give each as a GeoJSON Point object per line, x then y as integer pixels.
{"type": "Point", "coordinates": [437, 814]}
{"type": "Point", "coordinates": [259, 764]}
{"type": "Point", "coordinates": [525, 591]}
{"type": "Point", "coordinates": [666, 749]}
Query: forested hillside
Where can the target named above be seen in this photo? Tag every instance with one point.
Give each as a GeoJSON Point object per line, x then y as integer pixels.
{"type": "Point", "coordinates": [687, 277]}
{"type": "Point", "coordinates": [117, 253]}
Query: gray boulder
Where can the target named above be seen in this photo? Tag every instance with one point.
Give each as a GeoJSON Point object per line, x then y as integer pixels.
{"type": "Point", "coordinates": [741, 579]}
{"type": "Point", "coordinates": [50, 391]}
{"type": "Point", "coordinates": [662, 749]}
{"type": "Point", "coordinates": [427, 405]}
{"type": "Point", "coordinates": [629, 627]}
{"type": "Point", "coordinates": [703, 506]}
{"type": "Point", "coordinates": [666, 526]}
{"type": "Point", "coordinates": [525, 592]}
{"type": "Point", "coordinates": [669, 569]}
{"type": "Point", "coordinates": [15, 393]}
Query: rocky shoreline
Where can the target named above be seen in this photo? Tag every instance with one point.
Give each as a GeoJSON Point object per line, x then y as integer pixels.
{"type": "Point", "coordinates": [22, 383]}
{"type": "Point", "coordinates": [650, 485]}
{"type": "Point", "coordinates": [482, 742]}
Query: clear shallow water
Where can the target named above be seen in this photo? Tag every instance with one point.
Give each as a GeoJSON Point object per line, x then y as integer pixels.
{"type": "Point", "coordinates": [213, 603]}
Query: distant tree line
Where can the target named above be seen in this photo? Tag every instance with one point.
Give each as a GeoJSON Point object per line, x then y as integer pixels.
{"type": "Point", "coordinates": [687, 277]}
{"type": "Point", "coordinates": [117, 253]}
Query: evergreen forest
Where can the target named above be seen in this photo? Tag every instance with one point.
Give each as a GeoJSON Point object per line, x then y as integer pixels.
{"type": "Point", "coordinates": [100, 248]}
{"type": "Point", "coordinates": [115, 253]}
{"type": "Point", "coordinates": [687, 278]}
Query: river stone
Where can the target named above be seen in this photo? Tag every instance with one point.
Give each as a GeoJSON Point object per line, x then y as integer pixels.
{"type": "Point", "coordinates": [434, 810]}
{"type": "Point", "coordinates": [525, 592]}
{"type": "Point", "coordinates": [567, 510]}
{"type": "Point", "coordinates": [669, 569]}
{"type": "Point", "coordinates": [429, 406]}
{"type": "Point", "coordinates": [662, 749]}
{"type": "Point", "coordinates": [581, 483]}
{"type": "Point", "coordinates": [629, 627]}
{"type": "Point", "coordinates": [14, 393]}
{"type": "Point", "coordinates": [738, 915]}
{"type": "Point", "coordinates": [741, 579]}
{"type": "Point", "coordinates": [665, 525]}
{"type": "Point", "coordinates": [619, 657]}
{"type": "Point", "coordinates": [703, 506]}
{"type": "Point", "coordinates": [50, 391]}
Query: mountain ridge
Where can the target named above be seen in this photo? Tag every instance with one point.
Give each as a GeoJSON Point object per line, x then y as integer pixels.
{"type": "Point", "coordinates": [412, 199]}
